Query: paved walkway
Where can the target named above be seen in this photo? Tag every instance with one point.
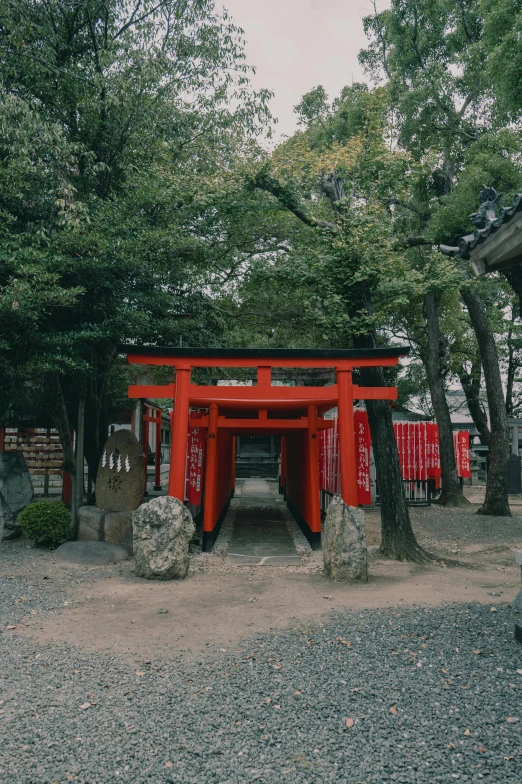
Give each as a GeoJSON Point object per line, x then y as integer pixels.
{"type": "Point", "coordinates": [260, 534]}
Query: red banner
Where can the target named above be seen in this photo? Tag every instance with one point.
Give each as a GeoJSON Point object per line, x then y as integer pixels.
{"type": "Point", "coordinates": [196, 446]}
{"type": "Point", "coordinates": [461, 445]}
{"type": "Point", "coordinates": [417, 444]}
{"type": "Point", "coordinates": [362, 452]}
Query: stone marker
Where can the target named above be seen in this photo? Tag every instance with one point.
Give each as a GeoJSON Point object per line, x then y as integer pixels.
{"type": "Point", "coordinates": [162, 529]}
{"type": "Point", "coordinates": [97, 525]}
{"type": "Point", "coordinates": [120, 482]}
{"type": "Point", "coordinates": [91, 526]}
{"type": "Point", "coordinates": [345, 553]}
{"type": "Point", "coordinates": [118, 529]}
{"type": "Point", "coordinates": [16, 491]}
{"type": "Point", "coordinates": [91, 553]}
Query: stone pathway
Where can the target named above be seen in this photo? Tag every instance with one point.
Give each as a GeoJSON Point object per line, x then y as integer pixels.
{"type": "Point", "coordinates": [260, 535]}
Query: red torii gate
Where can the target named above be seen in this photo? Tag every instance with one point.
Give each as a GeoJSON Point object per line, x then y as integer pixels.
{"type": "Point", "coordinates": [292, 412]}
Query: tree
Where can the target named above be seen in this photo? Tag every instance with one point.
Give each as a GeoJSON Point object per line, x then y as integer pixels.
{"type": "Point", "coordinates": [141, 97]}
{"type": "Point", "coordinates": [329, 178]}
{"type": "Point", "coordinates": [433, 60]}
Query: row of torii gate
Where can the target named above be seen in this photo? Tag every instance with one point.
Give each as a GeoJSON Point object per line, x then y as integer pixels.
{"type": "Point", "coordinates": [293, 412]}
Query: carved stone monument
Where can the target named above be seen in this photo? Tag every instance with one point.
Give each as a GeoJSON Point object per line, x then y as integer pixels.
{"type": "Point", "coordinates": [16, 491]}
{"type": "Point", "coordinates": [120, 487]}
{"type": "Point", "coordinates": [162, 531]}
{"type": "Point", "coordinates": [345, 553]}
{"type": "Point", "coordinates": [120, 483]}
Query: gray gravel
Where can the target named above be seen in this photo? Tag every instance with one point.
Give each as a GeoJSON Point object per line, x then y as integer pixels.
{"type": "Point", "coordinates": [274, 710]}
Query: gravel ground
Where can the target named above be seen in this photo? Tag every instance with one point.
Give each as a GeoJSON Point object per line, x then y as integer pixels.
{"type": "Point", "coordinates": [420, 695]}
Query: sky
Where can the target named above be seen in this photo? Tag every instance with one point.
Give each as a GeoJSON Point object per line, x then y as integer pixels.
{"type": "Point", "coordinates": [298, 44]}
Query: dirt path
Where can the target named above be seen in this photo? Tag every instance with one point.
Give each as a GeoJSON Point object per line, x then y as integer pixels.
{"type": "Point", "coordinates": [108, 608]}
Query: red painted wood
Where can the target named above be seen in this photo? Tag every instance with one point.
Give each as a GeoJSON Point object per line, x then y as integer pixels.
{"type": "Point", "coordinates": [178, 449]}
{"type": "Point", "coordinates": [347, 438]}
{"type": "Point", "coordinates": [297, 470]}
{"type": "Point", "coordinates": [264, 376]}
{"type": "Point", "coordinates": [157, 454]}
{"type": "Point", "coordinates": [145, 442]}
{"type": "Point", "coordinates": [299, 451]}
{"type": "Point", "coordinates": [285, 396]}
{"type": "Point", "coordinates": [256, 425]}
{"type": "Point", "coordinates": [66, 488]}
{"type": "Point", "coordinates": [374, 393]}
{"type": "Point", "coordinates": [313, 516]}
{"type": "Point", "coordinates": [302, 362]}
{"type": "Point", "coordinates": [233, 466]}
{"type": "Point", "coordinates": [223, 473]}
{"type": "Point", "coordinates": [209, 517]}
{"type": "Point", "coordinates": [282, 478]}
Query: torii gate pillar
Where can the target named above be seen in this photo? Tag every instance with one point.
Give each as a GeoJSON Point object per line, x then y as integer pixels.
{"type": "Point", "coordinates": [180, 424]}
{"type": "Point", "coordinates": [347, 458]}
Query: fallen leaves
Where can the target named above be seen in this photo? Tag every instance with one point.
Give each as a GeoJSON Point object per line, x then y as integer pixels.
{"type": "Point", "coordinates": [162, 611]}
{"type": "Point", "coordinates": [10, 627]}
{"type": "Point", "coordinates": [349, 722]}
{"type": "Point", "coordinates": [393, 709]}
{"type": "Point", "coordinates": [519, 672]}
{"type": "Point", "coordinates": [85, 706]}
{"type": "Point", "coordinates": [169, 764]}
{"type": "Point", "coordinates": [140, 674]}
{"type": "Point", "coordinates": [482, 749]}
{"type": "Point", "coordinates": [493, 609]}
{"type": "Point", "coordinates": [328, 597]}
{"type": "Point", "coordinates": [467, 733]}
{"type": "Point", "coordinates": [344, 642]}
{"type": "Point", "coordinates": [477, 653]}
{"type": "Point", "coordinates": [511, 720]}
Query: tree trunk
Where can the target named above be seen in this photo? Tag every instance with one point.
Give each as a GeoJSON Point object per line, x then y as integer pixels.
{"type": "Point", "coordinates": [61, 420]}
{"type": "Point", "coordinates": [512, 364]}
{"type": "Point", "coordinates": [514, 277]}
{"type": "Point", "coordinates": [397, 537]}
{"type": "Point", "coordinates": [451, 494]}
{"type": "Point", "coordinates": [496, 501]}
{"type": "Point", "coordinates": [470, 383]}
{"type": "Point", "coordinates": [96, 411]}
{"type": "Point", "coordinates": [79, 461]}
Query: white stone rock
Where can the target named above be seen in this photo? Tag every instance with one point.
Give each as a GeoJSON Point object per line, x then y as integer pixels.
{"type": "Point", "coordinates": [345, 553]}
{"type": "Point", "coordinates": [162, 529]}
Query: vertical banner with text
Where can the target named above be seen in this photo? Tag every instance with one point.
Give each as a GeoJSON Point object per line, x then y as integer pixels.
{"type": "Point", "coordinates": [196, 446]}
{"type": "Point", "coordinates": [362, 452]}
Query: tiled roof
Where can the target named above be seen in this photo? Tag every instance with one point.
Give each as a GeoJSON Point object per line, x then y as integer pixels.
{"type": "Point", "coordinates": [487, 224]}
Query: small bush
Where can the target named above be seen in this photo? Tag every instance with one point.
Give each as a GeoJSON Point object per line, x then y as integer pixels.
{"type": "Point", "coordinates": [46, 523]}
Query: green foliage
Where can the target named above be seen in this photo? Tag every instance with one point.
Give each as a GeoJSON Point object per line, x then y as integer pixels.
{"type": "Point", "coordinates": [492, 159]}
{"type": "Point", "coordinates": [46, 523]}
{"type": "Point", "coordinates": [501, 41]}
{"type": "Point", "coordinates": [124, 134]}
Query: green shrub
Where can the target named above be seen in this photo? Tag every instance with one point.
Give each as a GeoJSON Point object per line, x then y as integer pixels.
{"type": "Point", "coordinates": [46, 523]}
